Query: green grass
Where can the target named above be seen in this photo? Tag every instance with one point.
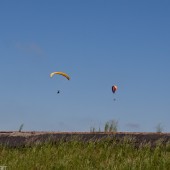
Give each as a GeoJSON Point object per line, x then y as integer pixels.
{"type": "Point", "coordinates": [78, 155]}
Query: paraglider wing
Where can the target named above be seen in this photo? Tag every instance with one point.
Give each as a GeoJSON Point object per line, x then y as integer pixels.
{"type": "Point", "coordinates": [114, 88]}
{"type": "Point", "coordinates": [60, 73]}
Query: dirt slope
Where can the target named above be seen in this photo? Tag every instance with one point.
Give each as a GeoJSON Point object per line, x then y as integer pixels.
{"type": "Point", "coordinates": [14, 138]}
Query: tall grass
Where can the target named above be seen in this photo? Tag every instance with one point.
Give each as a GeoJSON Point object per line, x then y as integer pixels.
{"type": "Point", "coordinates": [110, 126]}
{"type": "Point", "coordinates": [159, 128]}
{"type": "Point", "coordinates": [79, 155]}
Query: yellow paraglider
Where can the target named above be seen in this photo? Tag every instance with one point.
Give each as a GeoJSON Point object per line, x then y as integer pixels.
{"type": "Point", "coordinates": [60, 73]}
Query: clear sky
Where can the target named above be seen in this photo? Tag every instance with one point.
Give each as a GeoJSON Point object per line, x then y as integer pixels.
{"type": "Point", "coordinates": [98, 44]}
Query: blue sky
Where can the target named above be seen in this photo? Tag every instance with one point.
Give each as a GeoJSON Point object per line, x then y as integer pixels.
{"type": "Point", "coordinates": [98, 43]}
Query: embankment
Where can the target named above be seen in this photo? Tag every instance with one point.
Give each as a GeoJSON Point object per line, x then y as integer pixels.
{"type": "Point", "coordinates": [17, 139]}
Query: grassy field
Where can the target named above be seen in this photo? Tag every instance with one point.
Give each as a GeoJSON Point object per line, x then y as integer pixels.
{"type": "Point", "coordinates": [79, 155]}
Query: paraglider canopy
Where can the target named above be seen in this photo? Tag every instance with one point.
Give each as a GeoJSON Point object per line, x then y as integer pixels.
{"type": "Point", "coordinates": [114, 88]}
{"type": "Point", "coordinates": [60, 73]}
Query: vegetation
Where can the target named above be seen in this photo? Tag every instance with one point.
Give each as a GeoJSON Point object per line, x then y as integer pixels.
{"type": "Point", "coordinates": [21, 127]}
{"type": "Point", "coordinates": [94, 155]}
{"type": "Point", "coordinates": [110, 126]}
{"type": "Point", "coordinates": [159, 128]}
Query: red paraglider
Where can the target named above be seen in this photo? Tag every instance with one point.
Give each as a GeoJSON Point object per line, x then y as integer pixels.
{"type": "Point", "coordinates": [114, 88]}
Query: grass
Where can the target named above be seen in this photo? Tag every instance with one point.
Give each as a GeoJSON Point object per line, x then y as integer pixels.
{"type": "Point", "coordinates": [110, 126]}
{"type": "Point", "coordinates": [78, 155]}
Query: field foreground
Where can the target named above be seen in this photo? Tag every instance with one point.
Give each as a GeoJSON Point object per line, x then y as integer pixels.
{"type": "Point", "coordinates": [84, 151]}
{"type": "Point", "coordinates": [15, 138]}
